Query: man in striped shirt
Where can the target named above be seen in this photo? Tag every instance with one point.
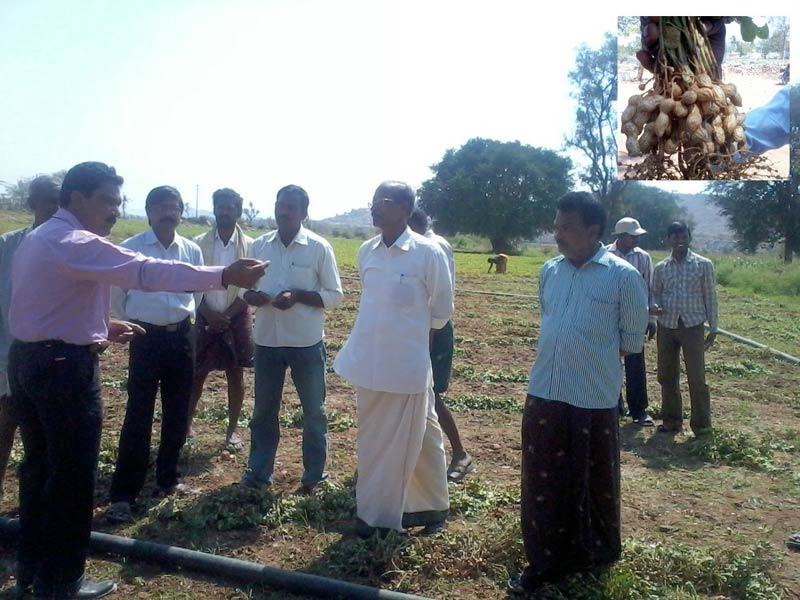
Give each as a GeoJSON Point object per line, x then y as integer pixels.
{"type": "Point", "coordinates": [626, 247]}
{"type": "Point", "coordinates": [684, 297]}
{"type": "Point", "coordinates": [593, 309]}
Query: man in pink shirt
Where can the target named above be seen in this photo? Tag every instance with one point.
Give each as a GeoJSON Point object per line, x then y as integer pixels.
{"type": "Point", "coordinates": [59, 318]}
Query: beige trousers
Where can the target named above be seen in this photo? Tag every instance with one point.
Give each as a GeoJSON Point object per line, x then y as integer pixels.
{"type": "Point", "coordinates": [402, 467]}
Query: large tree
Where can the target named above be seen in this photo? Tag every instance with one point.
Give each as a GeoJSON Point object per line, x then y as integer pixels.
{"type": "Point", "coordinates": [501, 190]}
{"type": "Point", "coordinates": [761, 213]}
{"type": "Point", "coordinates": [594, 82]}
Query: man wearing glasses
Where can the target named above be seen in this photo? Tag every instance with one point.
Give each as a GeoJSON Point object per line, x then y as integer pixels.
{"type": "Point", "coordinates": [405, 294]}
{"type": "Point", "coordinates": [164, 355]}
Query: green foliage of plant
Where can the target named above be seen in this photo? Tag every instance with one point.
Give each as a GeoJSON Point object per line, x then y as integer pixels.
{"type": "Point", "coordinates": [240, 507]}
{"type": "Point", "coordinates": [474, 497]}
{"type": "Point", "coordinates": [337, 421]}
{"type": "Point", "coordinates": [217, 413]}
{"type": "Point", "coordinates": [746, 368]}
{"type": "Point", "coordinates": [740, 449]}
{"type": "Point", "coordinates": [492, 375]}
{"type": "Point", "coordinates": [466, 402]}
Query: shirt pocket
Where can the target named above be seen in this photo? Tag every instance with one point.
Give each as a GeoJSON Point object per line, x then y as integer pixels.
{"type": "Point", "coordinates": [597, 321]}
{"type": "Point", "coordinates": [301, 277]}
{"type": "Point", "coordinates": [407, 291]}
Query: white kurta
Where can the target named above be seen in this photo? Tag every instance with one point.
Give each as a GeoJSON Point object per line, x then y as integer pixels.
{"type": "Point", "coordinates": [402, 467]}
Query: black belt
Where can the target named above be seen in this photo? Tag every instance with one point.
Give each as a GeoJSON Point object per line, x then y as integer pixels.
{"type": "Point", "coordinates": [93, 348]}
{"type": "Point", "coordinates": [184, 325]}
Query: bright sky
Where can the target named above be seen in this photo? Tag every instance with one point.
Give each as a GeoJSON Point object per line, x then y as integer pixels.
{"type": "Point", "coordinates": [332, 96]}
{"type": "Point", "coordinates": [256, 94]}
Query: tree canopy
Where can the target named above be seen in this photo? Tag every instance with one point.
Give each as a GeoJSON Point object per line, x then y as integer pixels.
{"type": "Point", "coordinates": [501, 190]}
{"type": "Point", "coordinates": [761, 213]}
{"type": "Point", "coordinates": [654, 208]}
{"type": "Point", "coordinates": [594, 82]}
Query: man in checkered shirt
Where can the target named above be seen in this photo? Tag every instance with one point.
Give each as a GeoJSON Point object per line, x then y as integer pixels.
{"type": "Point", "coordinates": [684, 297]}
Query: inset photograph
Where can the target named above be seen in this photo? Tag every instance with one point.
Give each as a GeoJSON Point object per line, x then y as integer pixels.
{"type": "Point", "coordinates": [703, 98]}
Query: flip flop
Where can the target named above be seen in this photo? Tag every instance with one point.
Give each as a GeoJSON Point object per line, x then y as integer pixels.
{"type": "Point", "coordinates": [234, 443]}
{"type": "Point", "coordinates": [457, 472]}
{"type": "Point", "coordinates": [793, 543]}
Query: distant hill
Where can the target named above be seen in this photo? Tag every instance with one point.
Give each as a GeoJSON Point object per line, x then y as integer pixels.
{"type": "Point", "coordinates": [711, 230]}
{"type": "Point", "coordinates": [358, 217]}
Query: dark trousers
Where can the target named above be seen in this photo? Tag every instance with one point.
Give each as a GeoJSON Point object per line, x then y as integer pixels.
{"type": "Point", "coordinates": [56, 399]}
{"type": "Point", "coordinates": [670, 343]}
{"type": "Point", "coordinates": [158, 357]}
{"type": "Point", "coordinates": [635, 384]}
{"type": "Point", "coordinates": [570, 489]}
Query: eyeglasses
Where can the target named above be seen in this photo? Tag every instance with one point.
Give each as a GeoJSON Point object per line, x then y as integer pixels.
{"type": "Point", "coordinates": [167, 207]}
{"type": "Point", "coordinates": [382, 202]}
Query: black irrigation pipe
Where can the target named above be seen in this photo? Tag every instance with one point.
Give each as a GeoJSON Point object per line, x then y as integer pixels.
{"type": "Point", "coordinates": [222, 566]}
{"type": "Point", "coordinates": [734, 336]}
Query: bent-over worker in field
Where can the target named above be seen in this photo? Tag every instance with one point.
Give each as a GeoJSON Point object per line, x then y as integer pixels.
{"type": "Point", "coordinates": [54, 370]}
{"type": "Point", "coordinates": [684, 297]}
{"type": "Point", "coordinates": [442, 347]}
{"type": "Point", "coordinates": [224, 326]}
{"type": "Point", "coordinates": [162, 359]}
{"type": "Point", "coordinates": [43, 201]}
{"type": "Point", "coordinates": [500, 262]}
{"type": "Point", "coordinates": [302, 283]}
{"type": "Point", "coordinates": [626, 247]}
{"type": "Point", "coordinates": [406, 292]}
{"type": "Point", "coordinates": [593, 308]}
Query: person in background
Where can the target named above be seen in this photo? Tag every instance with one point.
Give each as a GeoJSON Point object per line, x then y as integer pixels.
{"type": "Point", "coordinates": [224, 327]}
{"type": "Point", "coordinates": [43, 201]}
{"type": "Point", "coordinates": [442, 348]}
{"type": "Point", "coordinates": [684, 298]}
{"type": "Point", "coordinates": [626, 247]}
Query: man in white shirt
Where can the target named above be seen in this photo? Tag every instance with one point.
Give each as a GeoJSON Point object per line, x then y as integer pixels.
{"type": "Point", "coordinates": [406, 292]}
{"type": "Point", "coordinates": [163, 356]}
{"type": "Point", "coordinates": [224, 327]}
{"type": "Point", "coordinates": [442, 348]}
{"type": "Point", "coordinates": [628, 231]}
{"type": "Point", "coordinates": [303, 282]}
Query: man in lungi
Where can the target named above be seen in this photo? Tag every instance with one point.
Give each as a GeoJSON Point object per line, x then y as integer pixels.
{"type": "Point", "coordinates": [223, 330]}
{"type": "Point", "coordinates": [442, 347]}
{"type": "Point", "coordinates": [405, 294]}
{"type": "Point", "coordinates": [593, 309]}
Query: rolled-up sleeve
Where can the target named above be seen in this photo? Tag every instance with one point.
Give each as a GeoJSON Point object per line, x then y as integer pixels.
{"type": "Point", "coordinates": [330, 284]}
{"type": "Point", "coordinates": [440, 288]}
{"type": "Point", "coordinates": [632, 313]}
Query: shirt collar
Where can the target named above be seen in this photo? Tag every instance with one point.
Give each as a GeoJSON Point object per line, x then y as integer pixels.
{"type": "Point", "coordinates": [234, 237]}
{"type": "Point", "coordinates": [66, 215]}
{"type": "Point", "coordinates": [690, 257]}
{"type": "Point", "coordinates": [300, 238]}
{"type": "Point", "coordinates": [403, 242]}
{"type": "Point", "coordinates": [150, 238]}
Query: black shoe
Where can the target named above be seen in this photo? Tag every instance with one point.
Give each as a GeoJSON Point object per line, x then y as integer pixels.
{"type": "Point", "coordinates": [87, 591]}
{"type": "Point", "coordinates": [433, 528]}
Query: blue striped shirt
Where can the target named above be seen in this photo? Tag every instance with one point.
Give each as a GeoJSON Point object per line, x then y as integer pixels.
{"type": "Point", "coordinates": [589, 314]}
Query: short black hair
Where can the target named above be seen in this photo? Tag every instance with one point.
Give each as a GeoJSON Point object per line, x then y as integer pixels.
{"type": "Point", "coordinates": [418, 221]}
{"type": "Point", "coordinates": [589, 209]}
{"type": "Point", "coordinates": [679, 227]}
{"type": "Point", "coordinates": [223, 193]}
{"type": "Point", "coordinates": [163, 192]}
{"type": "Point", "coordinates": [86, 177]}
{"type": "Point", "coordinates": [400, 192]}
{"type": "Point", "coordinates": [295, 192]}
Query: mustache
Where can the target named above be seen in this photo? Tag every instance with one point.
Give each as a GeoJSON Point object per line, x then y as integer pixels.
{"type": "Point", "coordinates": [168, 220]}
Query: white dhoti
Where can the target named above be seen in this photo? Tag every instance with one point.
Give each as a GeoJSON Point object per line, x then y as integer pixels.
{"type": "Point", "coordinates": [402, 467]}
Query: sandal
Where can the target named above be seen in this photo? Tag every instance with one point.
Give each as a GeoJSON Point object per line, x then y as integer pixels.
{"type": "Point", "coordinates": [461, 469]}
{"type": "Point", "coordinates": [668, 429]}
{"type": "Point", "coordinates": [234, 443]}
{"type": "Point", "coordinates": [793, 543]}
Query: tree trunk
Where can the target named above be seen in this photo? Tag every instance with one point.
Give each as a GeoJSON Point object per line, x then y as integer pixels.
{"type": "Point", "coordinates": [787, 251]}
{"type": "Point", "coordinates": [501, 246]}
